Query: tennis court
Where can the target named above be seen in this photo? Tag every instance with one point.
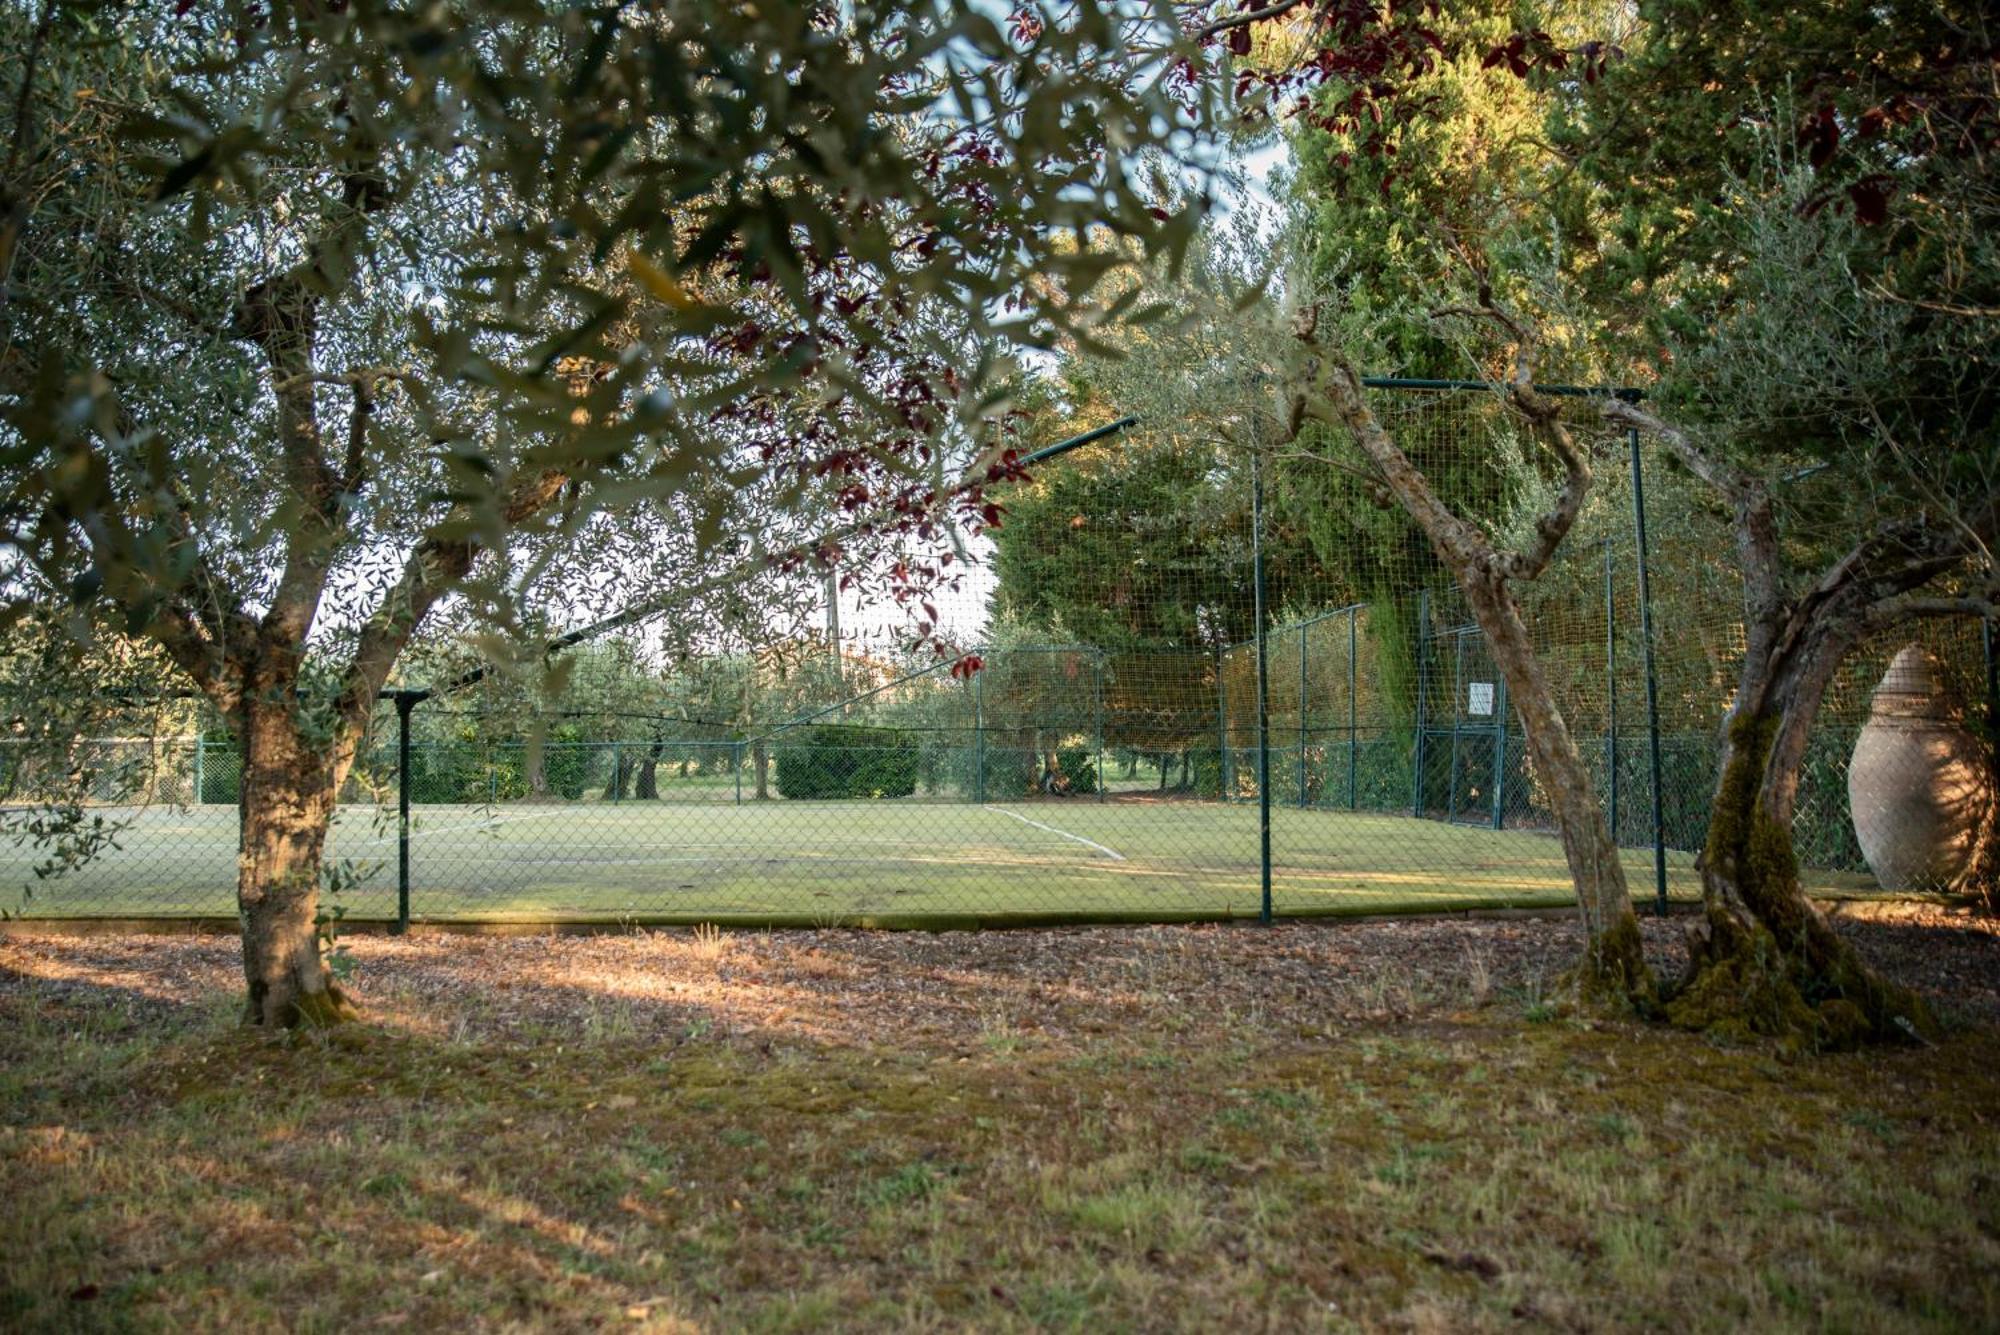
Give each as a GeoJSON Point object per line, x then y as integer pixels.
{"type": "Point", "coordinates": [861, 862]}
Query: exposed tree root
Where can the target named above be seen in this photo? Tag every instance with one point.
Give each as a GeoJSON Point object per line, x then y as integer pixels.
{"type": "Point", "coordinates": [1742, 983]}
{"type": "Point", "coordinates": [321, 1007]}
{"type": "Point", "coordinates": [1763, 962]}
{"type": "Point", "coordinates": [1613, 978]}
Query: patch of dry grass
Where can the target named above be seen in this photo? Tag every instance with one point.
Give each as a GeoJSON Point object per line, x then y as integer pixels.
{"type": "Point", "coordinates": [1151, 1130]}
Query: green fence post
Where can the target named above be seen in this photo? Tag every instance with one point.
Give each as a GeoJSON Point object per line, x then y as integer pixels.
{"type": "Point", "coordinates": [1302, 718]}
{"type": "Point", "coordinates": [1500, 752]}
{"type": "Point", "coordinates": [1263, 684]}
{"type": "Point", "coordinates": [1221, 729]}
{"type": "Point", "coordinates": [1423, 681]}
{"type": "Point", "coordinates": [1652, 677]}
{"type": "Point", "coordinates": [979, 735]}
{"type": "Point", "coordinates": [1457, 717]}
{"type": "Point", "coordinates": [200, 745]}
{"type": "Point", "coordinates": [1353, 735]}
{"type": "Point", "coordinates": [405, 702]}
{"type": "Point", "coordinates": [738, 757]}
{"type": "Point", "coordinates": [1097, 667]}
{"type": "Point", "coordinates": [1610, 697]}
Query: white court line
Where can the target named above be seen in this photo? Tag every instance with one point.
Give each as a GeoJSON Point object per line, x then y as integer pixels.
{"type": "Point", "coordinates": [1091, 843]}
{"type": "Point", "coordinates": [464, 825]}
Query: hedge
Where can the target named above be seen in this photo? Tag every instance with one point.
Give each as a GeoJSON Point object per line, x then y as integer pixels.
{"type": "Point", "coordinates": [839, 760]}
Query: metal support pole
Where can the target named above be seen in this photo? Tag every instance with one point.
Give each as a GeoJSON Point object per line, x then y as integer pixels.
{"type": "Point", "coordinates": [979, 735]}
{"type": "Point", "coordinates": [1500, 754]}
{"type": "Point", "coordinates": [1098, 681]}
{"type": "Point", "coordinates": [1423, 678]}
{"type": "Point", "coordinates": [1353, 737]}
{"type": "Point", "coordinates": [1221, 730]}
{"type": "Point", "coordinates": [1263, 683]}
{"type": "Point", "coordinates": [1457, 715]}
{"type": "Point", "coordinates": [1302, 718]}
{"type": "Point", "coordinates": [618, 773]}
{"type": "Point", "coordinates": [405, 702]}
{"type": "Point", "coordinates": [739, 771]}
{"type": "Point", "coordinates": [200, 745]}
{"type": "Point", "coordinates": [1610, 697]}
{"type": "Point", "coordinates": [1652, 678]}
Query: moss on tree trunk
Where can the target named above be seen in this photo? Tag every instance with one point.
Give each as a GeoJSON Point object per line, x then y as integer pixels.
{"type": "Point", "coordinates": [1763, 961]}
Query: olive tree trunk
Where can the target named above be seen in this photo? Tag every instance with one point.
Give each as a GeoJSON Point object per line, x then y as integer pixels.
{"type": "Point", "coordinates": [288, 801]}
{"type": "Point", "coordinates": [648, 788]}
{"type": "Point", "coordinates": [1763, 959]}
{"type": "Point", "coordinates": [1613, 970]}
{"type": "Point", "coordinates": [1614, 951]}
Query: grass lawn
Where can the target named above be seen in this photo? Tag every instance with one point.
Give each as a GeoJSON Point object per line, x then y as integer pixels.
{"type": "Point", "coordinates": [858, 863]}
{"type": "Point", "coordinates": [1316, 1127]}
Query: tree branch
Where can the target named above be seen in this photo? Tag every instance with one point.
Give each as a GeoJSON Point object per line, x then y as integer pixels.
{"type": "Point", "coordinates": [1755, 530]}
{"type": "Point", "coordinates": [185, 637]}
{"type": "Point", "coordinates": [1544, 420]}
{"type": "Point", "coordinates": [1731, 482]}
{"type": "Point", "coordinates": [1460, 544]}
{"type": "Point", "coordinates": [1887, 612]}
{"type": "Point", "coordinates": [281, 316]}
{"type": "Point", "coordinates": [433, 567]}
{"type": "Point", "coordinates": [363, 382]}
{"type": "Point", "coordinates": [14, 207]}
{"type": "Point", "coordinates": [368, 375]}
{"type": "Point", "coordinates": [1271, 11]}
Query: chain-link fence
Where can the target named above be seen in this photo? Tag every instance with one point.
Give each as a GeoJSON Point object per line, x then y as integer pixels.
{"type": "Point", "coordinates": [1186, 681]}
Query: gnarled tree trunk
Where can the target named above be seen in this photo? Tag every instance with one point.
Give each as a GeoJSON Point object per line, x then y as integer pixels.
{"type": "Point", "coordinates": [649, 773]}
{"type": "Point", "coordinates": [1614, 953]}
{"type": "Point", "coordinates": [1613, 970]}
{"type": "Point", "coordinates": [1764, 960]}
{"type": "Point", "coordinates": [288, 797]}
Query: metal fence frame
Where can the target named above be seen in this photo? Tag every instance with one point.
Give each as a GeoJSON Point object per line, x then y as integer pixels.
{"type": "Point", "coordinates": [1427, 731]}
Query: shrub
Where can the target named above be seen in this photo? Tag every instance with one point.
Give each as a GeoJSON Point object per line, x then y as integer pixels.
{"type": "Point", "coordinates": [567, 764]}
{"type": "Point", "coordinates": [838, 760]}
{"type": "Point", "coordinates": [1205, 770]}
{"type": "Point", "coordinates": [1076, 765]}
{"type": "Point", "coordinates": [221, 774]}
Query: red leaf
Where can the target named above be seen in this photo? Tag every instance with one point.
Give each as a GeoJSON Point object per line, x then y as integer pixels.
{"type": "Point", "coordinates": [1871, 200]}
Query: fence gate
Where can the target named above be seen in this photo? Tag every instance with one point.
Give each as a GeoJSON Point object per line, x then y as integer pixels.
{"type": "Point", "coordinates": [1462, 774]}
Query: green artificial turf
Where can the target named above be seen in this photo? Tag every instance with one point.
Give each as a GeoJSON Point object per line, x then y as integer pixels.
{"type": "Point", "coordinates": [906, 863]}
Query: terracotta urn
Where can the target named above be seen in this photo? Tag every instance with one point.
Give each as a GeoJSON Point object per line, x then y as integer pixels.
{"type": "Point", "coordinates": [1919, 784]}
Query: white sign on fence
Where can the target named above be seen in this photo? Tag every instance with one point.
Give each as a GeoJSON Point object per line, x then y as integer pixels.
{"type": "Point", "coordinates": [1479, 698]}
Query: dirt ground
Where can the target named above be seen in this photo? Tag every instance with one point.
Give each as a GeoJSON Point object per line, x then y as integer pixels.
{"type": "Point", "coordinates": [1333, 1126]}
{"type": "Point", "coordinates": [940, 990]}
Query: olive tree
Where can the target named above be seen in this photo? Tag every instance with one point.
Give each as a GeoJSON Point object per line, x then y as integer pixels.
{"type": "Point", "coordinates": [320, 318]}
